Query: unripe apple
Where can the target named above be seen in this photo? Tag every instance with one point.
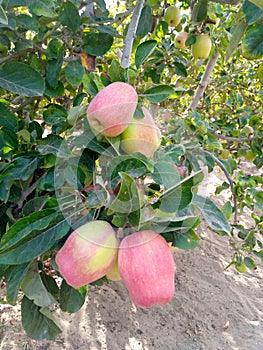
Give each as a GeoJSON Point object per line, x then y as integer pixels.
{"type": "Point", "coordinates": [180, 40]}
{"type": "Point", "coordinates": [88, 254]}
{"type": "Point", "coordinates": [202, 46]}
{"type": "Point", "coordinates": [142, 135]}
{"type": "Point", "coordinates": [112, 109]}
{"type": "Point", "coordinates": [147, 268]}
{"type": "Point", "coordinates": [172, 16]}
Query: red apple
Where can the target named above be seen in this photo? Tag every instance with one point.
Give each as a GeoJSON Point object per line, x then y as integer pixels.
{"type": "Point", "coordinates": [88, 254]}
{"type": "Point", "coordinates": [147, 268]}
{"type": "Point", "coordinates": [112, 109]}
{"type": "Point", "coordinates": [180, 40]}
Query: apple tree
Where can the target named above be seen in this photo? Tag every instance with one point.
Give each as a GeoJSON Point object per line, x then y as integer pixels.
{"type": "Point", "coordinates": [198, 75]}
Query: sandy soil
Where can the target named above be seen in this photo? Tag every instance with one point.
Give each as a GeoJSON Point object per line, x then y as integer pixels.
{"type": "Point", "coordinates": [212, 309]}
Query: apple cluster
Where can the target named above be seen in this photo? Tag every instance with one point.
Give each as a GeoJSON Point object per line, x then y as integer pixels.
{"type": "Point", "coordinates": [111, 114]}
{"type": "Point", "coordinates": [142, 260]}
{"type": "Point", "coordinates": [200, 48]}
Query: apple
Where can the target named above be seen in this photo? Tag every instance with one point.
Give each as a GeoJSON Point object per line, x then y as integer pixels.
{"type": "Point", "coordinates": [88, 254]}
{"type": "Point", "coordinates": [202, 46]}
{"type": "Point", "coordinates": [114, 273]}
{"type": "Point", "coordinates": [180, 40]}
{"type": "Point", "coordinates": [147, 268]}
{"type": "Point", "coordinates": [172, 16]}
{"type": "Point", "coordinates": [112, 109]}
{"type": "Point", "coordinates": [141, 135]}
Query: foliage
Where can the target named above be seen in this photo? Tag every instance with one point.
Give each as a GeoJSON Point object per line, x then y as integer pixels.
{"type": "Point", "coordinates": [56, 175]}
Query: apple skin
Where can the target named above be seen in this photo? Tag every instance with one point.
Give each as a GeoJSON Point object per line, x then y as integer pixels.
{"type": "Point", "coordinates": [112, 109]}
{"type": "Point", "coordinates": [114, 273]}
{"type": "Point", "coordinates": [180, 40]}
{"type": "Point", "coordinates": [147, 268]}
{"type": "Point", "coordinates": [88, 254]}
{"type": "Point", "coordinates": [202, 47]}
{"type": "Point", "coordinates": [172, 16]}
{"type": "Point", "coordinates": [141, 135]}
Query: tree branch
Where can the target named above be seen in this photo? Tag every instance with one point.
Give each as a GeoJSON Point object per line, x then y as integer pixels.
{"type": "Point", "coordinates": [204, 81]}
{"type": "Point", "coordinates": [236, 139]}
{"type": "Point", "coordinates": [125, 60]}
{"type": "Point", "coordinates": [231, 182]}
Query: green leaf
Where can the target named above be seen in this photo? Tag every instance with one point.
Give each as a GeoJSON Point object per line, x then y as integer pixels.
{"type": "Point", "coordinates": [74, 72]}
{"type": "Point", "coordinates": [250, 263]}
{"type": "Point", "coordinates": [54, 144]}
{"type": "Point", "coordinates": [21, 79]}
{"type": "Point", "coordinates": [131, 165]}
{"type": "Point", "coordinates": [213, 216]}
{"type": "Point", "coordinates": [258, 3]}
{"type": "Point", "coordinates": [252, 12]}
{"type": "Point", "coordinates": [70, 17]}
{"type": "Point", "coordinates": [14, 277]}
{"type": "Point", "coordinates": [33, 287]}
{"type": "Point", "coordinates": [3, 17]}
{"type": "Point", "coordinates": [179, 196]}
{"type": "Point", "coordinates": [165, 174]}
{"type": "Point", "coordinates": [199, 11]}
{"type": "Point", "coordinates": [235, 39]}
{"type": "Point", "coordinates": [44, 8]}
{"type": "Point", "coordinates": [25, 226]}
{"type": "Point", "coordinates": [143, 51]}
{"type": "Point", "coordinates": [20, 169]}
{"type": "Point", "coordinates": [127, 203]}
{"type": "Point", "coordinates": [8, 120]}
{"type": "Point", "coordinates": [186, 240]}
{"type": "Point", "coordinates": [97, 44]}
{"type": "Point", "coordinates": [180, 69]}
{"type": "Point", "coordinates": [158, 93]}
{"type": "Point", "coordinates": [38, 323]}
{"type": "Point", "coordinates": [71, 299]}
{"type": "Point", "coordinates": [252, 45]}
{"type": "Point", "coordinates": [145, 22]}
{"type": "Point", "coordinates": [162, 222]}
{"type": "Point", "coordinates": [54, 69]}
{"type": "Point", "coordinates": [33, 246]}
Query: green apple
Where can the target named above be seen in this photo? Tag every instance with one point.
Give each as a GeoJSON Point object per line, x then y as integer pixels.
{"type": "Point", "coordinates": [172, 16]}
{"type": "Point", "coordinates": [142, 135]}
{"type": "Point", "coordinates": [180, 40]}
{"type": "Point", "coordinates": [202, 46]}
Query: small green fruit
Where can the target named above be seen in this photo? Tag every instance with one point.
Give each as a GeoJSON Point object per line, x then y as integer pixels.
{"type": "Point", "coordinates": [202, 46]}
{"type": "Point", "coordinates": [250, 155]}
{"type": "Point", "coordinates": [225, 154]}
{"type": "Point", "coordinates": [172, 16]}
{"type": "Point", "coordinates": [241, 267]}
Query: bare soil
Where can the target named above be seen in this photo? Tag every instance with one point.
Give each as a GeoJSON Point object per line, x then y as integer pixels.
{"type": "Point", "coordinates": [212, 309]}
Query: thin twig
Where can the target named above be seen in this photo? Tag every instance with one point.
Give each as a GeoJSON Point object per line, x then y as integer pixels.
{"type": "Point", "coordinates": [204, 81]}
{"type": "Point", "coordinates": [231, 182]}
{"type": "Point", "coordinates": [28, 192]}
{"type": "Point", "coordinates": [131, 33]}
{"type": "Point", "coordinates": [236, 139]}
